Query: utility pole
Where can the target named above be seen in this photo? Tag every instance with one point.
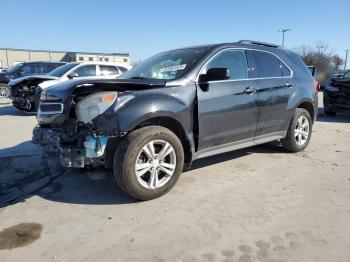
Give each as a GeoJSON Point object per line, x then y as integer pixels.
{"type": "Point", "coordinates": [283, 31]}
{"type": "Point", "coordinates": [320, 47]}
{"type": "Point", "coordinates": [346, 58]}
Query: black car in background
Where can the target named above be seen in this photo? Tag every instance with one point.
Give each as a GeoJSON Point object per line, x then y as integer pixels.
{"type": "Point", "coordinates": [179, 106]}
{"type": "Point", "coordinates": [24, 69]}
{"type": "Point", "coordinates": [336, 95]}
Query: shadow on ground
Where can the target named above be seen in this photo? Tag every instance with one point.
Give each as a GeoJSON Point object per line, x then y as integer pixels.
{"type": "Point", "coordinates": [76, 187]}
{"type": "Point", "coordinates": [10, 110]}
{"type": "Point", "coordinates": [25, 172]}
{"type": "Point", "coordinates": [340, 117]}
{"type": "Point", "coordinates": [25, 169]}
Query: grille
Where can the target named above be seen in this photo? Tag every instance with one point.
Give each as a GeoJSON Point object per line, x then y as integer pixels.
{"type": "Point", "coordinates": [51, 108]}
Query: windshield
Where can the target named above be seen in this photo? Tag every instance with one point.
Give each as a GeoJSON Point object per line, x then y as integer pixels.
{"type": "Point", "coordinates": [14, 68]}
{"type": "Point", "coordinates": [167, 66]}
{"type": "Point", "coordinates": [347, 74]}
{"type": "Point", "coordinates": [60, 71]}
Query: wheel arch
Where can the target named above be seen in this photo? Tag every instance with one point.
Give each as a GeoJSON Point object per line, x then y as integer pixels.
{"type": "Point", "coordinates": [308, 106]}
{"type": "Point", "coordinates": [166, 121]}
{"type": "Point", "coordinates": [177, 128]}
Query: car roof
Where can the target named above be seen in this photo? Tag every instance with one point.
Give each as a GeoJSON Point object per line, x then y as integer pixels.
{"type": "Point", "coordinates": [100, 63]}
{"type": "Point", "coordinates": [43, 62]}
{"type": "Point", "coordinates": [246, 44]}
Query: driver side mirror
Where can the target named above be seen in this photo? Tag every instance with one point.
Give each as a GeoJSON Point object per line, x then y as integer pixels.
{"type": "Point", "coordinates": [215, 74]}
{"type": "Point", "coordinates": [72, 75]}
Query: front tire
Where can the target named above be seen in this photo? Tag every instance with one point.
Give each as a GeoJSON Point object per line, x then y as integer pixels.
{"type": "Point", "coordinates": [4, 91]}
{"type": "Point", "coordinates": [299, 131]}
{"type": "Point", "coordinates": [148, 162]}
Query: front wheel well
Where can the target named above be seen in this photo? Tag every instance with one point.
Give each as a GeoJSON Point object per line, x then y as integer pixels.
{"type": "Point", "coordinates": [308, 106]}
{"type": "Point", "coordinates": [176, 128]}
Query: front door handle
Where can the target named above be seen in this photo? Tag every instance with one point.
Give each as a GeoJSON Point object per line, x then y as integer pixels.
{"type": "Point", "coordinates": [289, 84]}
{"type": "Point", "coordinates": [248, 90]}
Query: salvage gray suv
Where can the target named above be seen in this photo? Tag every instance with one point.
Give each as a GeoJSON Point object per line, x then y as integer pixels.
{"type": "Point", "coordinates": [179, 106]}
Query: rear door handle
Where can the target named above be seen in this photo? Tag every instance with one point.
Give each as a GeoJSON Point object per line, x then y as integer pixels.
{"type": "Point", "coordinates": [289, 84]}
{"type": "Point", "coordinates": [248, 90]}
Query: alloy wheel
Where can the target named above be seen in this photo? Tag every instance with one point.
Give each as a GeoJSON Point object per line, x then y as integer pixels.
{"type": "Point", "coordinates": [302, 130]}
{"type": "Point", "coordinates": [155, 164]}
{"type": "Point", "coordinates": [4, 91]}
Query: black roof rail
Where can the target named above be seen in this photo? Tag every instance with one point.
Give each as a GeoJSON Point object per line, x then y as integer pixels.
{"type": "Point", "coordinates": [252, 42]}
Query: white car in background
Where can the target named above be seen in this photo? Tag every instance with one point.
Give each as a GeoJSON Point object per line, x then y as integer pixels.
{"type": "Point", "coordinates": [83, 70]}
{"type": "Point", "coordinates": [25, 91]}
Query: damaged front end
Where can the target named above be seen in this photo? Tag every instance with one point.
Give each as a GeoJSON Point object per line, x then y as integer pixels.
{"type": "Point", "coordinates": [79, 150]}
{"type": "Point", "coordinates": [80, 121]}
{"type": "Point", "coordinates": [25, 92]}
{"type": "Point", "coordinates": [79, 142]}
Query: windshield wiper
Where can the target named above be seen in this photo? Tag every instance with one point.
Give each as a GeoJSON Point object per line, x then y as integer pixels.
{"type": "Point", "coordinates": [139, 77]}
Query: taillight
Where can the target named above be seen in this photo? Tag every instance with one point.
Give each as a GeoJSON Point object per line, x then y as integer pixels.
{"type": "Point", "coordinates": [316, 86]}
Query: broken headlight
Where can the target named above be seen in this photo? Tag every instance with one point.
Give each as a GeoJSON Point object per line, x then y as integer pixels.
{"type": "Point", "coordinates": [94, 105]}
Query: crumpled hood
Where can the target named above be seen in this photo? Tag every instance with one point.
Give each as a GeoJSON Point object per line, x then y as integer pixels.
{"type": "Point", "coordinates": [49, 83]}
{"type": "Point", "coordinates": [344, 82]}
{"type": "Point", "coordinates": [67, 88]}
{"type": "Point", "coordinates": [26, 78]}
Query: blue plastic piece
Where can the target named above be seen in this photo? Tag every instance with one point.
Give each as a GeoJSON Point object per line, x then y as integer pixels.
{"type": "Point", "coordinates": [95, 146]}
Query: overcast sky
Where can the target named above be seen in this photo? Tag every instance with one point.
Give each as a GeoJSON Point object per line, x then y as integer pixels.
{"type": "Point", "coordinates": [144, 28]}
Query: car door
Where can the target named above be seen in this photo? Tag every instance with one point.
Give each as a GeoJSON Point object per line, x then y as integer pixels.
{"type": "Point", "coordinates": [274, 87]}
{"type": "Point", "coordinates": [227, 109]}
{"type": "Point", "coordinates": [86, 72]}
{"type": "Point", "coordinates": [108, 71]}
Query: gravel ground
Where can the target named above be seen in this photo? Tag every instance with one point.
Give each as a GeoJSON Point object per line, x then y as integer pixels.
{"type": "Point", "coordinates": [256, 204]}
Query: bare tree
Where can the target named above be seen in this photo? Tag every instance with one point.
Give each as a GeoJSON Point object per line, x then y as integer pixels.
{"type": "Point", "coordinates": [337, 62]}
{"type": "Point", "coordinates": [320, 57]}
{"type": "Point", "coordinates": [322, 47]}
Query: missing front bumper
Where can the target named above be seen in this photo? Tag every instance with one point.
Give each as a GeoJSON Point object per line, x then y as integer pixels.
{"type": "Point", "coordinates": [77, 151]}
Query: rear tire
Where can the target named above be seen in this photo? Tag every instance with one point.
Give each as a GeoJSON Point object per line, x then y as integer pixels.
{"type": "Point", "coordinates": [299, 131]}
{"type": "Point", "coordinates": [132, 158]}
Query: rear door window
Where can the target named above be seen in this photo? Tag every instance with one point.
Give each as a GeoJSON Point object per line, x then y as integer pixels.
{"type": "Point", "coordinates": [122, 69]}
{"type": "Point", "coordinates": [87, 70]}
{"type": "Point", "coordinates": [234, 60]}
{"type": "Point", "coordinates": [48, 67]}
{"type": "Point", "coordinates": [108, 70]}
{"type": "Point", "coordinates": [266, 65]}
{"type": "Point", "coordinates": [29, 69]}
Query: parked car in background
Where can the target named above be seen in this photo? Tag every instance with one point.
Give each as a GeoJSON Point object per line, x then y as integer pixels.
{"type": "Point", "coordinates": [314, 73]}
{"type": "Point", "coordinates": [25, 91]}
{"type": "Point", "coordinates": [346, 74]}
{"type": "Point", "coordinates": [336, 96]}
{"type": "Point", "coordinates": [24, 69]}
{"type": "Point", "coordinates": [179, 106]}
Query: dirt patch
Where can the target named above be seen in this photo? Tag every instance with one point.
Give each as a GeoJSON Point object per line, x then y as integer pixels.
{"type": "Point", "coordinates": [20, 235]}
